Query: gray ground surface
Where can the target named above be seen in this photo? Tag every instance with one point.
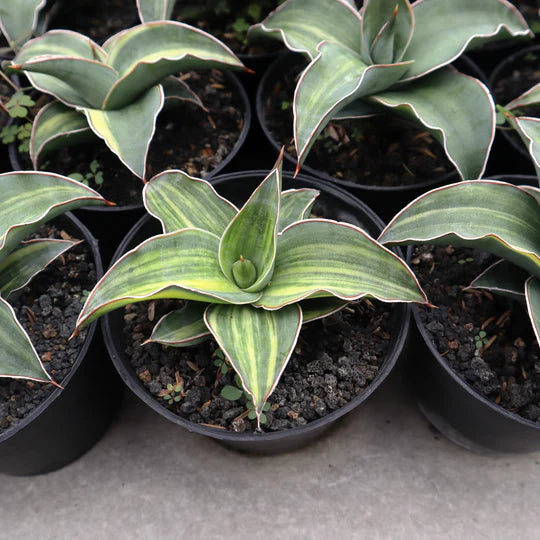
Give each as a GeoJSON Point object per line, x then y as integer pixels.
{"type": "Point", "coordinates": [382, 473]}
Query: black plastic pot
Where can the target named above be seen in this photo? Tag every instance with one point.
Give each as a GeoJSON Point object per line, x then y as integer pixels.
{"type": "Point", "coordinates": [385, 200]}
{"type": "Point", "coordinates": [459, 412]}
{"type": "Point", "coordinates": [333, 202]}
{"type": "Point", "coordinates": [510, 155]}
{"type": "Point", "coordinates": [70, 421]}
{"type": "Point", "coordinates": [109, 224]}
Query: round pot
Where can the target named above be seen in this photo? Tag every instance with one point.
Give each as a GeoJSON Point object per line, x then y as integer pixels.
{"type": "Point", "coordinates": [109, 224]}
{"type": "Point", "coordinates": [238, 187]}
{"type": "Point", "coordinates": [459, 412]}
{"type": "Point", "coordinates": [69, 421]}
{"type": "Point", "coordinates": [385, 200]}
{"type": "Point", "coordinates": [509, 152]}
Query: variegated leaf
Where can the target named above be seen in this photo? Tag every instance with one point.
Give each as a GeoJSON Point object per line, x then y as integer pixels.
{"type": "Point", "coordinates": [157, 269]}
{"type": "Point", "coordinates": [155, 10]}
{"type": "Point", "coordinates": [258, 344]}
{"type": "Point", "coordinates": [21, 265]}
{"type": "Point", "coordinates": [176, 89]}
{"type": "Point", "coordinates": [534, 191]}
{"type": "Point", "coordinates": [56, 125]}
{"type": "Point", "coordinates": [144, 55]}
{"type": "Point", "coordinates": [337, 77]}
{"type": "Point", "coordinates": [529, 130]}
{"type": "Point", "coordinates": [456, 109]}
{"type": "Point", "coordinates": [18, 358]}
{"type": "Point", "coordinates": [318, 258]}
{"type": "Point", "coordinates": [387, 27]}
{"type": "Point", "coordinates": [318, 308]}
{"type": "Point", "coordinates": [303, 24]}
{"type": "Point", "coordinates": [295, 205]}
{"type": "Point", "coordinates": [495, 216]}
{"type": "Point", "coordinates": [19, 20]}
{"type": "Point", "coordinates": [182, 328]}
{"type": "Point", "coordinates": [503, 278]}
{"type": "Point", "coordinates": [31, 198]}
{"type": "Point", "coordinates": [252, 233]}
{"type": "Point", "coordinates": [530, 97]}
{"type": "Point", "coordinates": [445, 29]}
{"type": "Point", "coordinates": [532, 295]}
{"type": "Point", "coordinates": [180, 201]}
{"type": "Point", "coordinates": [116, 128]}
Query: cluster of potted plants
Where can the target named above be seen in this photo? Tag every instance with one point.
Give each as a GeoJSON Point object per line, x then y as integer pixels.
{"type": "Point", "coordinates": [259, 306]}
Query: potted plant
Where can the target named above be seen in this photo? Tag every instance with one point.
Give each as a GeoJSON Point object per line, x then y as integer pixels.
{"type": "Point", "coordinates": [132, 81]}
{"type": "Point", "coordinates": [244, 289]}
{"type": "Point", "coordinates": [477, 353]}
{"type": "Point", "coordinates": [393, 63]}
{"type": "Point", "coordinates": [47, 385]}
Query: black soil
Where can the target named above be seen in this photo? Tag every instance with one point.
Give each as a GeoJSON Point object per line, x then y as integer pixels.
{"type": "Point", "coordinates": [48, 309]}
{"type": "Point", "coordinates": [221, 17]}
{"type": "Point", "coordinates": [97, 19]}
{"type": "Point", "coordinates": [335, 359]}
{"type": "Point", "coordinates": [186, 138]}
{"type": "Point", "coordinates": [381, 151]}
{"type": "Point", "coordinates": [507, 371]}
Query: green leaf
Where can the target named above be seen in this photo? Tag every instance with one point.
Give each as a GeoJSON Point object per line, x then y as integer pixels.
{"type": "Point", "coordinates": [182, 328]}
{"type": "Point", "coordinates": [144, 55]}
{"type": "Point", "coordinates": [176, 89]}
{"type": "Point", "coordinates": [157, 269]}
{"type": "Point", "coordinates": [530, 97]}
{"type": "Point", "coordinates": [252, 233]}
{"type": "Point", "coordinates": [116, 128]}
{"type": "Point", "coordinates": [456, 109]}
{"type": "Point", "coordinates": [534, 191]}
{"type": "Point", "coordinates": [180, 201]}
{"type": "Point", "coordinates": [498, 217]}
{"type": "Point", "coordinates": [257, 343]}
{"type": "Point", "coordinates": [319, 258]}
{"type": "Point", "coordinates": [445, 29]}
{"type": "Point", "coordinates": [56, 125]}
{"type": "Point", "coordinates": [296, 204]}
{"type": "Point", "coordinates": [318, 308]}
{"type": "Point", "coordinates": [529, 130]}
{"type": "Point", "coordinates": [18, 358]}
{"type": "Point", "coordinates": [71, 78]}
{"type": "Point", "coordinates": [18, 20]}
{"type": "Point", "coordinates": [337, 77]}
{"type": "Point", "coordinates": [20, 266]}
{"type": "Point", "coordinates": [155, 10]}
{"type": "Point", "coordinates": [387, 27]}
{"type": "Point", "coordinates": [232, 393]}
{"type": "Point", "coordinates": [303, 24]}
{"type": "Point", "coordinates": [503, 278]}
{"type": "Point", "coordinates": [532, 295]}
{"type": "Point", "coordinates": [30, 198]}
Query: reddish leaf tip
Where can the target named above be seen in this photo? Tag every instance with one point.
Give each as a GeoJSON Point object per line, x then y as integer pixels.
{"type": "Point", "coordinates": [54, 383]}
{"type": "Point", "coordinates": [110, 203]}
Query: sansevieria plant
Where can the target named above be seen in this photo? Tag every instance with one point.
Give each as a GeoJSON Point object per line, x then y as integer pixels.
{"type": "Point", "coordinates": [250, 277]}
{"type": "Point", "coordinates": [28, 200]}
{"type": "Point", "coordinates": [115, 91]}
{"type": "Point", "coordinates": [494, 216]}
{"type": "Point", "coordinates": [528, 127]}
{"type": "Point", "coordinates": [390, 57]}
{"type": "Point", "coordinates": [20, 20]}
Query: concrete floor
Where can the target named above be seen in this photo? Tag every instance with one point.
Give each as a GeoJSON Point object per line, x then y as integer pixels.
{"type": "Point", "coordinates": [382, 473]}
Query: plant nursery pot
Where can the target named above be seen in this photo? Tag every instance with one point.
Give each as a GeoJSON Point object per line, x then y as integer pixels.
{"type": "Point", "coordinates": [452, 405]}
{"type": "Point", "coordinates": [512, 76]}
{"type": "Point", "coordinates": [238, 187]}
{"type": "Point", "coordinates": [386, 201]}
{"type": "Point", "coordinates": [70, 420]}
{"type": "Point", "coordinates": [109, 224]}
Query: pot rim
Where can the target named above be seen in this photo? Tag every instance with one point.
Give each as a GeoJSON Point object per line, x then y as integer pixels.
{"type": "Point", "coordinates": [37, 411]}
{"type": "Point", "coordinates": [401, 313]}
